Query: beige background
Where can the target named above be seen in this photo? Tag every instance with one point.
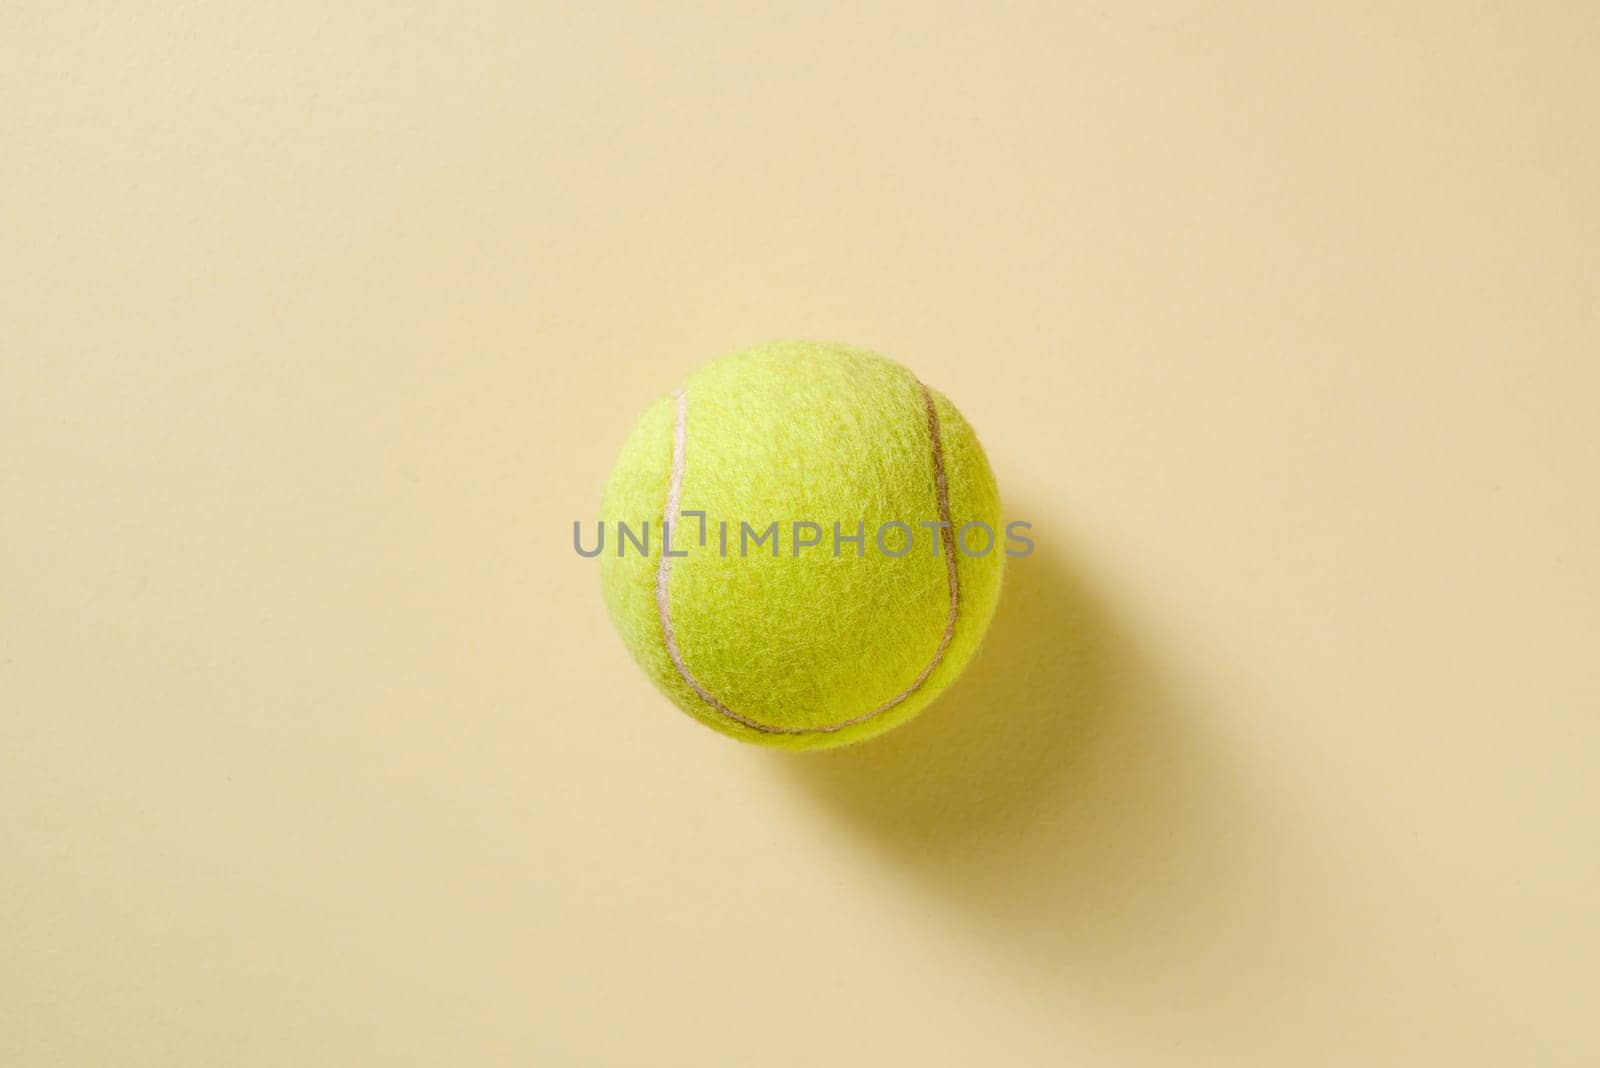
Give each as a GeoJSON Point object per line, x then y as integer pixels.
{"type": "Point", "coordinates": [321, 324]}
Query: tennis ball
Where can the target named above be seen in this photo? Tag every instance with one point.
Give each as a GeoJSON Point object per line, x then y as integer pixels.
{"type": "Point", "coordinates": [829, 581]}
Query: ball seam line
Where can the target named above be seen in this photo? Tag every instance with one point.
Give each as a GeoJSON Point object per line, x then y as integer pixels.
{"type": "Point", "coordinates": [664, 574]}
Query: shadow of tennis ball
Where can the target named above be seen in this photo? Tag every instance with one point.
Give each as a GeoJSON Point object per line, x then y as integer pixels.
{"type": "Point", "coordinates": [1062, 794]}
{"type": "Point", "coordinates": [988, 750]}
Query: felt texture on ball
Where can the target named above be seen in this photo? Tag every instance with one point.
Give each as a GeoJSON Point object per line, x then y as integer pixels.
{"type": "Point", "coordinates": [802, 646]}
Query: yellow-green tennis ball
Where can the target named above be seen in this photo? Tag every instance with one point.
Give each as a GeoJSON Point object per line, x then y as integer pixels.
{"type": "Point", "coordinates": [755, 630]}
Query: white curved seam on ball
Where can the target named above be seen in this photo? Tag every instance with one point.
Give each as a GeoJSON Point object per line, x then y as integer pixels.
{"type": "Point", "coordinates": [664, 573]}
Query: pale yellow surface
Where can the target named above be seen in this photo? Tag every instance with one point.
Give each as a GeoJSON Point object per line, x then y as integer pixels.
{"type": "Point", "coordinates": [320, 324]}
